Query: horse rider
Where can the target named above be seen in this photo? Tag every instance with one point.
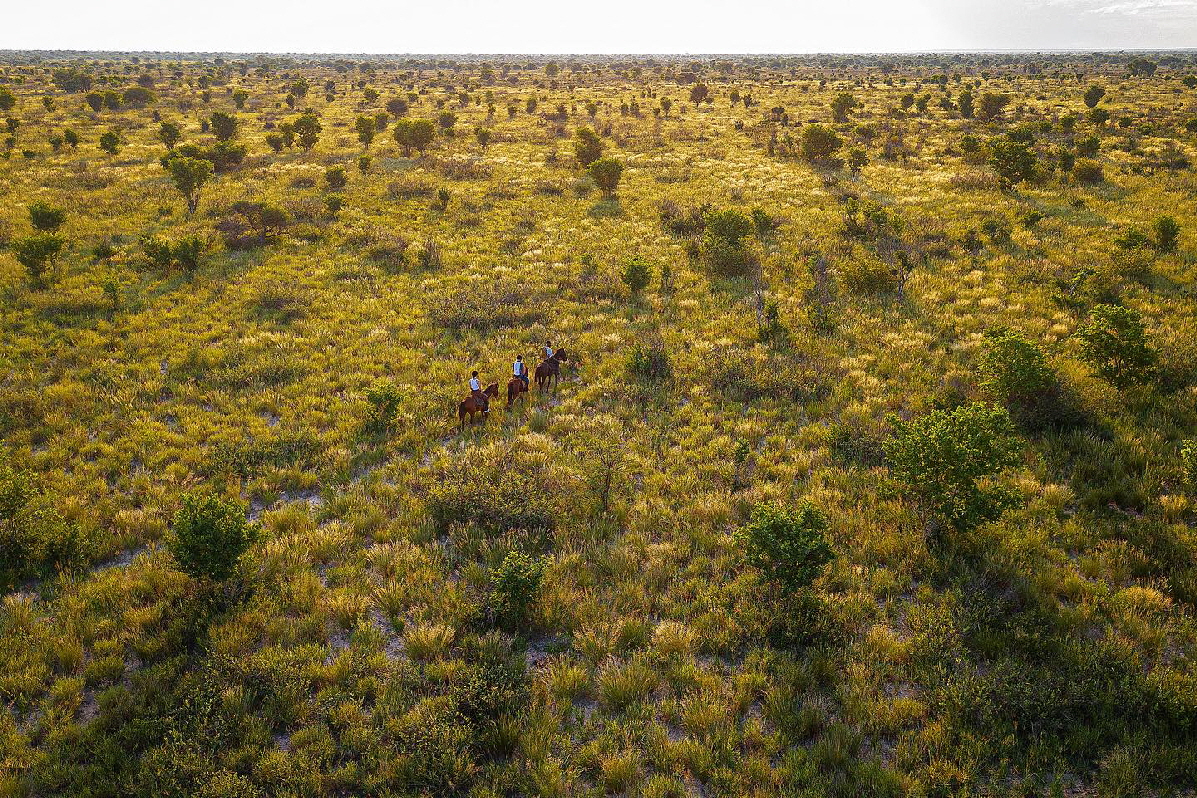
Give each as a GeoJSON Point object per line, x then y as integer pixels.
{"type": "Point", "coordinates": [520, 370]}
{"type": "Point", "coordinates": [548, 351]}
{"type": "Point", "coordinates": [476, 391]}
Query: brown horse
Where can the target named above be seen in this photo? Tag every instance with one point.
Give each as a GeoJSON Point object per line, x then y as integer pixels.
{"type": "Point", "coordinates": [515, 387]}
{"type": "Point", "coordinates": [550, 369]}
{"type": "Point", "coordinates": [471, 405]}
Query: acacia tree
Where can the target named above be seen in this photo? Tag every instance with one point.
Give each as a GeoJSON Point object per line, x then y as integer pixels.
{"type": "Point", "coordinates": [224, 126]}
{"type": "Point", "coordinates": [1093, 95]}
{"type": "Point", "coordinates": [366, 128]}
{"type": "Point", "coordinates": [189, 176]}
{"type": "Point", "coordinates": [699, 93]}
{"type": "Point", "coordinates": [414, 134]}
{"type": "Point", "coordinates": [169, 134]}
{"type": "Point", "coordinates": [307, 130]}
{"type": "Point", "coordinates": [843, 105]}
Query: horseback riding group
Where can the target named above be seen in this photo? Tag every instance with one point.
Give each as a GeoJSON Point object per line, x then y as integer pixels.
{"type": "Point", "coordinates": [548, 372]}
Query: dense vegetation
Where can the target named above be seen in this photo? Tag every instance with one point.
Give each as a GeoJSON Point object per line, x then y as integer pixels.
{"type": "Point", "coordinates": [872, 469]}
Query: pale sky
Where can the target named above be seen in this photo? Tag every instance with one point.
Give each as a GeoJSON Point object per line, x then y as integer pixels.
{"type": "Point", "coordinates": [598, 26]}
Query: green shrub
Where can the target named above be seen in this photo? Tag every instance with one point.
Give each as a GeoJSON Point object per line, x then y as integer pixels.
{"type": "Point", "coordinates": [385, 399]}
{"type": "Point", "coordinates": [45, 218]}
{"type": "Point", "coordinates": [1088, 172]}
{"type": "Point", "coordinates": [649, 364]}
{"type": "Point", "coordinates": [605, 172]}
{"type": "Point", "coordinates": [588, 147]}
{"type": "Point", "coordinates": [37, 254]}
{"type": "Point", "coordinates": [514, 501]}
{"type": "Point", "coordinates": [943, 455]}
{"type": "Point", "coordinates": [1113, 339]}
{"type": "Point", "coordinates": [336, 178]}
{"type": "Point", "coordinates": [209, 535]}
{"type": "Point", "coordinates": [637, 275]}
{"type": "Point", "coordinates": [1015, 370]}
{"type": "Point", "coordinates": [110, 142]}
{"type": "Point", "coordinates": [788, 546]}
{"type": "Point", "coordinates": [515, 589]}
{"type": "Point", "coordinates": [34, 538]}
{"type": "Point", "coordinates": [1166, 232]}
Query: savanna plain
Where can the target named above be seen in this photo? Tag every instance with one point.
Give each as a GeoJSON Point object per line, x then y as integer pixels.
{"type": "Point", "coordinates": [869, 471]}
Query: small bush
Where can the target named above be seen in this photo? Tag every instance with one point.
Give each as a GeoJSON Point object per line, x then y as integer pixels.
{"type": "Point", "coordinates": [336, 178]}
{"type": "Point", "coordinates": [1015, 370]}
{"type": "Point", "coordinates": [637, 275]}
{"type": "Point", "coordinates": [46, 219]}
{"type": "Point", "coordinates": [788, 546]}
{"type": "Point", "coordinates": [1088, 172]}
{"type": "Point", "coordinates": [385, 399]}
{"type": "Point", "coordinates": [515, 589]}
{"type": "Point", "coordinates": [649, 364]}
{"type": "Point", "coordinates": [34, 538]}
{"type": "Point", "coordinates": [209, 536]}
{"type": "Point", "coordinates": [943, 455]}
{"type": "Point", "coordinates": [1113, 339]}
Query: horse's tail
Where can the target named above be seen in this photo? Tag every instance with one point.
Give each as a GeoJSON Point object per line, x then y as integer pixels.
{"type": "Point", "coordinates": [461, 412]}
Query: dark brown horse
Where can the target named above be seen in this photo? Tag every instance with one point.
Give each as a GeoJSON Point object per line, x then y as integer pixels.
{"type": "Point", "coordinates": [515, 387]}
{"type": "Point", "coordinates": [470, 405]}
{"type": "Point", "coordinates": [550, 369]}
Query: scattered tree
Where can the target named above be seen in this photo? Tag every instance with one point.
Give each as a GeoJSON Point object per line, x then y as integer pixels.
{"type": "Point", "coordinates": [189, 176]}
{"type": "Point", "coordinates": [588, 147]}
{"type": "Point", "coordinates": [787, 545]}
{"type": "Point", "coordinates": [605, 172]}
{"type": "Point", "coordinates": [414, 134]}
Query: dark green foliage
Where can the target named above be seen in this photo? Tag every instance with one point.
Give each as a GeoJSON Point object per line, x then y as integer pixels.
{"type": "Point", "coordinates": [37, 253]}
{"type": "Point", "coordinates": [1014, 369]}
{"type": "Point", "coordinates": [224, 126]}
{"type": "Point", "coordinates": [637, 275]}
{"type": "Point", "coordinates": [247, 459]}
{"type": "Point", "coordinates": [138, 97]}
{"type": "Point", "coordinates": [189, 176]}
{"type": "Point", "coordinates": [1113, 339]}
{"type": "Point", "coordinates": [819, 145]}
{"type": "Point", "coordinates": [965, 102]}
{"type": "Point", "coordinates": [72, 79]}
{"type": "Point", "coordinates": [183, 254]}
{"type": "Point", "coordinates": [942, 457]}
{"type": "Point", "coordinates": [724, 242]}
{"type": "Point", "coordinates": [1088, 172]}
{"type": "Point", "coordinates": [35, 540]}
{"type": "Point", "coordinates": [1093, 95]}
{"type": "Point", "coordinates": [1188, 464]}
{"type": "Point", "coordinates": [396, 107]}
{"type": "Point", "coordinates": [209, 535]}
{"type": "Point", "coordinates": [605, 172]}
{"type": "Point", "coordinates": [991, 105]}
{"type": "Point", "coordinates": [515, 589]}
{"type": "Point", "coordinates": [8, 100]}
{"type": "Point", "coordinates": [307, 130]}
{"type": "Point", "coordinates": [336, 178]}
{"type": "Point", "coordinates": [1014, 161]}
{"type": "Point", "coordinates": [588, 147]}
{"type": "Point", "coordinates": [787, 545]}
{"type": "Point", "coordinates": [385, 399]}
{"type": "Point", "coordinates": [366, 128]}
{"type": "Point", "coordinates": [253, 224]}
{"type": "Point", "coordinates": [110, 142]}
{"type": "Point", "coordinates": [843, 105]}
{"type": "Point", "coordinates": [169, 133]}
{"type": "Point", "coordinates": [46, 218]}
{"type": "Point", "coordinates": [414, 134]}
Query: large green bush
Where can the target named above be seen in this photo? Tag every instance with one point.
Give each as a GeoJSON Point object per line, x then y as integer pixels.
{"type": "Point", "coordinates": [787, 545]}
{"type": "Point", "coordinates": [209, 536]}
{"type": "Point", "coordinates": [944, 455]}
{"type": "Point", "coordinates": [1113, 339]}
{"type": "Point", "coordinates": [1016, 372]}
